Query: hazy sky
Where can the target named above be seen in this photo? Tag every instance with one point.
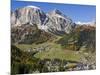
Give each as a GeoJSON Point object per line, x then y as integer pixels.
{"type": "Point", "coordinates": [83, 13]}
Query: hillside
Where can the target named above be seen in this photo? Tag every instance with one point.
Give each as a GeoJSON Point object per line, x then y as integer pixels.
{"type": "Point", "coordinates": [82, 38]}
{"type": "Point", "coordinates": [28, 34]}
{"type": "Point", "coordinates": [50, 42]}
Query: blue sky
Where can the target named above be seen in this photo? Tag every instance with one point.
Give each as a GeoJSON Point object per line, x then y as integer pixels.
{"type": "Point", "coordinates": [82, 13]}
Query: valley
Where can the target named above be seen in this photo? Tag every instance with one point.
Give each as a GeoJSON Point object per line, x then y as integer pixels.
{"type": "Point", "coordinates": [50, 42]}
{"type": "Point", "coordinates": [53, 57]}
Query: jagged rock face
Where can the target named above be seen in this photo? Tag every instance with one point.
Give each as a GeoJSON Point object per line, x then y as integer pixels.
{"type": "Point", "coordinates": [59, 22]}
{"type": "Point", "coordinates": [54, 21]}
{"type": "Point", "coordinates": [29, 14]}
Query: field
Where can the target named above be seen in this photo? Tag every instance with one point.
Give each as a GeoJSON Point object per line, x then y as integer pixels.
{"type": "Point", "coordinates": [52, 51]}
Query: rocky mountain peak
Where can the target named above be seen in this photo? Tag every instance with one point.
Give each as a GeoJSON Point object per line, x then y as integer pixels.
{"type": "Point", "coordinates": [55, 21]}
{"type": "Point", "coordinates": [56, 11]}
{"type": "Point", "coordinates": [28, 14]}
{"type": "Point", "coordinates": [59, 23]}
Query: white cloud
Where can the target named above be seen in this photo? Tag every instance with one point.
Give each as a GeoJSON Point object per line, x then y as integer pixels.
{"type": "Point", "coordinates": [82, 23]}
{"type": "Point", "coordinates": [92, 23]}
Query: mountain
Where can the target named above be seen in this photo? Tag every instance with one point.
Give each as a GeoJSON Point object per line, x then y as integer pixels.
{"type": "Point", "coordinates": [28, 34]}
{"type": "Point", "coordinates": [54, 21]}
{"type": "Point", "coordinates": [28, 14]}
{"type": "Point", "coordinates": [59, 23]}
{"type": "Point", "coordinates": [35, 48]}
{"type": "Point", "coordinates": [82, 38]}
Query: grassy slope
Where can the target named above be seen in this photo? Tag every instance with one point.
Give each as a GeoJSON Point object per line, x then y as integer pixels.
{"type": "Point", "coordinates": [55, 51]}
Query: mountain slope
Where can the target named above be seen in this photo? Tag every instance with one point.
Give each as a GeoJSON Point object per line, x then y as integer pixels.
{"type": "Point", "coordinates": [55, 21]}
{"type": "Point", "coordinates": [29, 34]}
{"type": "Point", "coordinates": [59, 22]}
{"type": "Point", "coordinates": [28, 14]}
{"type": "Point", "coordinates": [82, 38]}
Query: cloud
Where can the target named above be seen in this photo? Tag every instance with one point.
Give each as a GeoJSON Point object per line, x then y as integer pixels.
{"type": "Point", "coordinates": [82, 23]}
{"type": "Point", "coordinates": [92, 23]}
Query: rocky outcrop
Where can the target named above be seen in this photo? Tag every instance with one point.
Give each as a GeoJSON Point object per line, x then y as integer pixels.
{"type": "Point", "coordinates": [28, 14]}
{"type": "Point", "coordinates": [55, 21]}
{"type": "Point", "coordinates": [59, 22]}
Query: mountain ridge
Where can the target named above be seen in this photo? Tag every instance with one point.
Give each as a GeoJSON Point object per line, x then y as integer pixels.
{"type": "Point", "coordinates": [53, 21]}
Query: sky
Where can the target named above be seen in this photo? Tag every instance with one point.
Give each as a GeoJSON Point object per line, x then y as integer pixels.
{"type": "Point", "coordinates": [78, 13]}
